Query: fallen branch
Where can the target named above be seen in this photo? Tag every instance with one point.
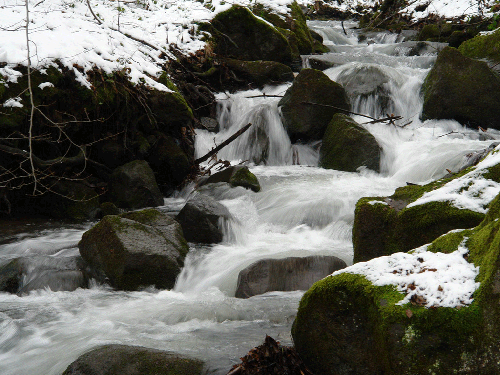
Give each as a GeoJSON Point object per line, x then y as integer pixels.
{"type": "Point", "coordinates": [223, 144]}
{"type": "Point", "coordinates": [339, 109]}
{"type": "Point", "coordinates": [264, 96]}
{"type": "Point", "coordinates": [391, 120]}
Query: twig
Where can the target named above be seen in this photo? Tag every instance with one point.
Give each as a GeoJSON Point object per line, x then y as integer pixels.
{"type": "Point", "coordinates": [223, 144]}
{"type": "Point", "coordinates": [339, 109]}
{"type": "Point", "coordinates": [91, 11]}
{"type": "Point", "coordinates": [264, 96]}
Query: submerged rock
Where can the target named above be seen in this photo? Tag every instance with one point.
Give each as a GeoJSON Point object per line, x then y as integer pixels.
{"type": "Point", "coordinates": [135, 249]}
{"type": "Point", "coordinates": [347, 146]}
{"type": "Point", "coordinates": [237, 175]}
{"type": "Point", "coordinates": [133, 185]}
{"type": "Point", "coordinates": [133, 360]}
{"type": "Point", "coordinates": [348, 324]}
{"type": "Point", "coordinates": [462, 89]}
{"type": "Point", "coordinates": [202, 219]}
{"type": "Point", "coordinates": [307, 121]}
{"type": "Point", "coordinates": [286, 274]}
{"type": "Point", "coordinates": [23, 275]}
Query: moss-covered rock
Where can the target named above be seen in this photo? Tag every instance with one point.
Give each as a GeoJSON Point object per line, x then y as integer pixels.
{"type": "Point", "coordinates": [310, 103]}
{"type": "Point", "coordinates": [483, 47]}
{"type": "Point", "coordinates": [347, 146]}
{"type": "Point", "coordinates": [346, 324]}
{"type": "Point", "coordinates": [435, 32]}
{"type": "Point", "coordinates": [462, 89]}
{"type": "Point", "coordinates": [237, 33]}
{"type": "Point", "coordinates": [299, 27]}
{"type": "Point", "coordinates": [238, 175]}
{"type": "Point", "coordinates": [133, 185]}
{"type": "Point", "coordinates": [133, 360]}
{"type": "Point", "coordinates": [260, 72]}
{"type": "Point", "coordinates": [383, 226]}
{"type": "Point", "coordinates": [135, 249]}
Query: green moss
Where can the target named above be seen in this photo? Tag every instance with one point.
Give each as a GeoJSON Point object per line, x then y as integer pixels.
{"type": "Point", "coordinates": [109, 208]}
{"type": "Point", "coordinates": [299, 27]}
{"type": "Point", "coordinates": [482, 47]}
{"type": "Point", "coordinates": [165, 80]}
{"type": "Point", "coordinates": [243, 177]}
{"type": "Point", "coordinates": [346, 146]}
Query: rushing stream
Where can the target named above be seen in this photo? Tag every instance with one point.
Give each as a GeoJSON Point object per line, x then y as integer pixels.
{"type": "Point", "coordinates": [302, 210]}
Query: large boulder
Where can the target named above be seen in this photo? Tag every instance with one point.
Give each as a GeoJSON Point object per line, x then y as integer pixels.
{"type": "Point", "coordinates": [415, 215]}
{"type": "Point", "coordinates": [135, 249]}
{"type": "Point", "coordinates": [237, 175]}
{"type": "Point", "coordinates": [347, 146]}
{"type": "Point", "coordinates": [462, 89]}
{"type": "Point", "coordinates": [133, 185]}
{"type": "Point", "coordinates": [483, 47]}
{"type": "Point", "coordinates": [23, 275]}
{"type": "Point", "coordinates": [310, 103]}
{"type": "Point", "coordinates": [286, 274]}
{"type": "Point", "coordinates": [202, 219]}
{"type": "Point", "coordinates": [239, 34]}
{"type": "Point", "coordinates": [117, 359]}
{"type": "Point", "coordinates": [260, 72]}
{"type": "Point", "coordinates": [434, 310]}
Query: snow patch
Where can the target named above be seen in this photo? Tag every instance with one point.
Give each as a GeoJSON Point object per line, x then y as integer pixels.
{"type": "Point", "coordinates": [426, 278]}
{"type": "Point", "coordinates": [45, 84]}
{"type": "Point", "coordinates": [13, 103]}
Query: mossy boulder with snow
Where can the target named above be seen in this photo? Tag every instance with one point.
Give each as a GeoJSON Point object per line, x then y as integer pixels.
{"type": "Point", "coordinates": [432, 311]}
{"type": "Point", "coordinates": [415, 215]}
{"type": "Point", "coordinates": [347, 146]}
{"type": "Point", "coordinates": [260, 72]}
{"type": "Point", "coordinates": [483, 47]}
{"type": "Point", "coordinates": [135, 249]}
{"type": "Point", "coordinates": [239, 34]}
{"type": "Point", "coordinates": [310, 103]}
{"type": "Point", "coordinates": [462, 89]}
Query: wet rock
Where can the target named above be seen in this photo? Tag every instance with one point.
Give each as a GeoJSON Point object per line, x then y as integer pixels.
{"type": "Point", "coordinates": [347, 146]}
{"type": "Point", "coordinates": [135, 249]}
{"type": "Point", "coordinates": [10, 276]}
{"type": "Point", "coordinates": [260, 72]}
{"type": "Point", "coordinates": [170, 162]}
{"type": "Point", "coordinates": [108, 208]}
{"type": "Point", "coordinates": [365, 82]}
{"type": "Point", "coordinates": [241, 35]}
{"type": "Point", "coordinates": [285, 274]}
{"type": "Point", "coordinates": [237, 175]}
{"type": "Point", "coordinates": [202, 219]}
{"type": "Point", "coordinates": [133, 360]}
{"type": "Point", "coordinates": [210, 124]}
{"type": "Point", "coordinates": [462, 89]}
{"type": "Point", "coordinates": [346, 324]}
{"type": "Point", "coordinates": [309, 121]}
{"type": "Point", "coordinates": [133, 185]}
{"type": "Point", "coordinates": [23, 275]}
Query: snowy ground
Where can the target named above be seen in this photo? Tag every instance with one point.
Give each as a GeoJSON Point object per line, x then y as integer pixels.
{"type": "Point", "coordinates": [67, 30]}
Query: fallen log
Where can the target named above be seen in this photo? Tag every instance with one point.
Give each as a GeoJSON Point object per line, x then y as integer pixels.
{"type": "Point", "coordinates": [222, 145]}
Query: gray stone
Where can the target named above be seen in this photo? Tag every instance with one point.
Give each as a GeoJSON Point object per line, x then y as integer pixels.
{"type": "Point", "coordinates": [201, 219]}
{"type": "Point", "coordinates": [285, 274]}
{"type": "Point", "coordinates": [133, 185]}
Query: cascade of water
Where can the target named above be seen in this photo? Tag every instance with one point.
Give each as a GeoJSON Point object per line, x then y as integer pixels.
{"type": "Point", "coordinates": [302, 210]}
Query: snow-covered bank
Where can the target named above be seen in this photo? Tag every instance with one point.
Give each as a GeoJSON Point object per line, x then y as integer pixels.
{"type": "Point", "coordinates": [108, 35]}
